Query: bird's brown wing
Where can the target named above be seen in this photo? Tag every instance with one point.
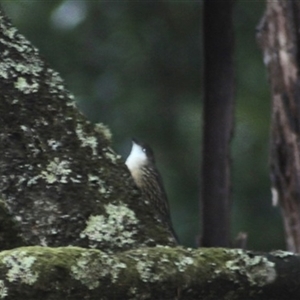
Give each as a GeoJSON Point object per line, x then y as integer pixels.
{"type": "Point", "coordinates": [153, 190]}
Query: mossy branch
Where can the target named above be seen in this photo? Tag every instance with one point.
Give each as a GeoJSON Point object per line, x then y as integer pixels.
{"type": "Point", "coordinates": [148, 273]}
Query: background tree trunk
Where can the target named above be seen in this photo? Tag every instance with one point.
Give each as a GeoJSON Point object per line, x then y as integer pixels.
{"type": "Point", "coordinates": [218, 121]}
{"type": "Point", "coordinates": [279, 36]}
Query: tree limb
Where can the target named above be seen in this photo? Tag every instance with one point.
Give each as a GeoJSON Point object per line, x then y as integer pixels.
{"type": "Point", "coordinates": [148, 273]}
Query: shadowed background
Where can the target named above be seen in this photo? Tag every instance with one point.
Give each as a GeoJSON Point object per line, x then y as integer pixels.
{"type": "Point", "coordinates": [137, 67]}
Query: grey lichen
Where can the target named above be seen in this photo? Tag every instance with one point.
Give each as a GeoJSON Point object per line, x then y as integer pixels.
{"type": "Point", "coordinates": [111, 155]}
{"type": "Point", "coordinates": [118, 224]}
{"type": "Point", "coordinates": [54, 144]}
{"type": "Point", "coordinates": [3, 290]}
{"type": "Point", "coordinates": [30, 64]}
{"type": "Point", "coordinates": [104, 130]}
{"type": "Point", "coordinates": [151, 271]}
{"type": "Point", "coordinates": [57, 170]}
{"type": "Point", "coordinates": [10, 32]}
{"type": "Point", "coordinates": [145, 269]}
{"type": "Point", "coordinates": [55, 83]}
{"type": "Point", "coordinates": [20, 267]}
{"type": "Point", "coordinates": [152, 268]}
{"type": "Point", "coordinates": [86, 140]}
{"type": "Point", "coordinates": [92, 266]}
{"type": "Point", "coordinates": [25, 87]}
{"type": "Point", "coordinates": [183, 263]}
{"type": "Point", "coordinates": [257, 269]}
{"type": "Point", "coordinates": [87, 270]}
{"type": "Point", "coordinates": [72, 103]}
{"type": "Point", "coordinates": [10, 68]}
{"type": "Point", "coordinates": [282, 254]}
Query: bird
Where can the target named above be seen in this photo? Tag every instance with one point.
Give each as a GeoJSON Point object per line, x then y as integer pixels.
{"type": "Point", "coordinates": [141, 164]}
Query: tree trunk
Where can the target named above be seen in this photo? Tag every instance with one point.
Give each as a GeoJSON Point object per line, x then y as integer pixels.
{"type": "Point", "coordinates": [218, 121]}
{"type": "Point", "coordinates": [61, 183]}
{"type": "Point", "coordinates": [279, 36]}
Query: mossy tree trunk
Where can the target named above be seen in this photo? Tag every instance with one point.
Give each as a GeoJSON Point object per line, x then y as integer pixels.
{"type": "Point", "coordinates": [61, 183]}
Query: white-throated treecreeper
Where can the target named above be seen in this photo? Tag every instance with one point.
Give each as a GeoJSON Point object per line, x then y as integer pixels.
{"type": "Point", "coordinates": [141, 164]}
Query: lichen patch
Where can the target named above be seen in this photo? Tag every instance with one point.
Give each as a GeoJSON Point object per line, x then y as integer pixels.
{"type": "Point", "coordinates": [53, 144]}
{"type": "Point", "coordinates": [118, 225]}
{"type": "Point", "coordinates": [282, 254]}
{"type": "Point", "coordinates": [86, 141]}
{"type": "Point", "coordinates": [26, 87]}
{"type": "Point", "coordinates": [91, 267]}
{"type": "Point", "coordinates": [111, 155]}
{"type": "Point", "coordinates": [104, 130]}
{"type": "Point", "coordinates": [20, 267]}
{"type": "Point", "coordinates": [57, 170]}
{"type": "Point", "coordinates": [257, 269]}
{"type": "Point", "coordinates": [3, 290]}
{"type": "Point", "coordinates": [184, 263]}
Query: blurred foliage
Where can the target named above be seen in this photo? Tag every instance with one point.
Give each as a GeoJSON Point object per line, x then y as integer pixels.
{"type": "Point", "coordinates": [137, 67]}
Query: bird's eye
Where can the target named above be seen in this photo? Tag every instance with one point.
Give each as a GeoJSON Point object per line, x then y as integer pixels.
{"type": "Point", "coordinates": [144, 150]}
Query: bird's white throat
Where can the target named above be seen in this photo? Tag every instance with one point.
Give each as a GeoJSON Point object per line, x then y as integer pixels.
{"type": "Point", "coordinates": [137, 157]}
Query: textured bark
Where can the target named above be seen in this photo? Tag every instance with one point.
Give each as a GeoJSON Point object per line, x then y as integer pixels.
{"type": "Point", "coordinates": [61, 183]}
{"type": "Point", "coordinates": [149, 273]}
{"type": "Point", "coordinates": [218, 121]}
{"type": "Point", "coordinates": [279, 36]}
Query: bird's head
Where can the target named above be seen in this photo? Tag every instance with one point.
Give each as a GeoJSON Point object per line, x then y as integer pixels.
{"type": "Point", "coordinates": [141, 154]}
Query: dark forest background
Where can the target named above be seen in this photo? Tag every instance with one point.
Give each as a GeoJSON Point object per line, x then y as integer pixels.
{"type": "Point", "coordinates": [137, 67]}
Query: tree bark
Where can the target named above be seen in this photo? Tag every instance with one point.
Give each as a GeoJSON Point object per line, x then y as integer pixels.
{"type": "Point", "coordinates": [61, 183]}
{"type": "Point", "coordinates": [218, 121]}
{"type": "Point", "coordinates": [279, 38]}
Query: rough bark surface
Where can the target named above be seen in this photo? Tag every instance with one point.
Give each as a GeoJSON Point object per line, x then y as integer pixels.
{"type": "Point", "coordinates": [162, 273]}
{"type": "Point", "coordinates": [218, 122]}
{"type": "Point", "coordinates": [61, 183]}
{"type": "Point", "coordinates": [279, 36]}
